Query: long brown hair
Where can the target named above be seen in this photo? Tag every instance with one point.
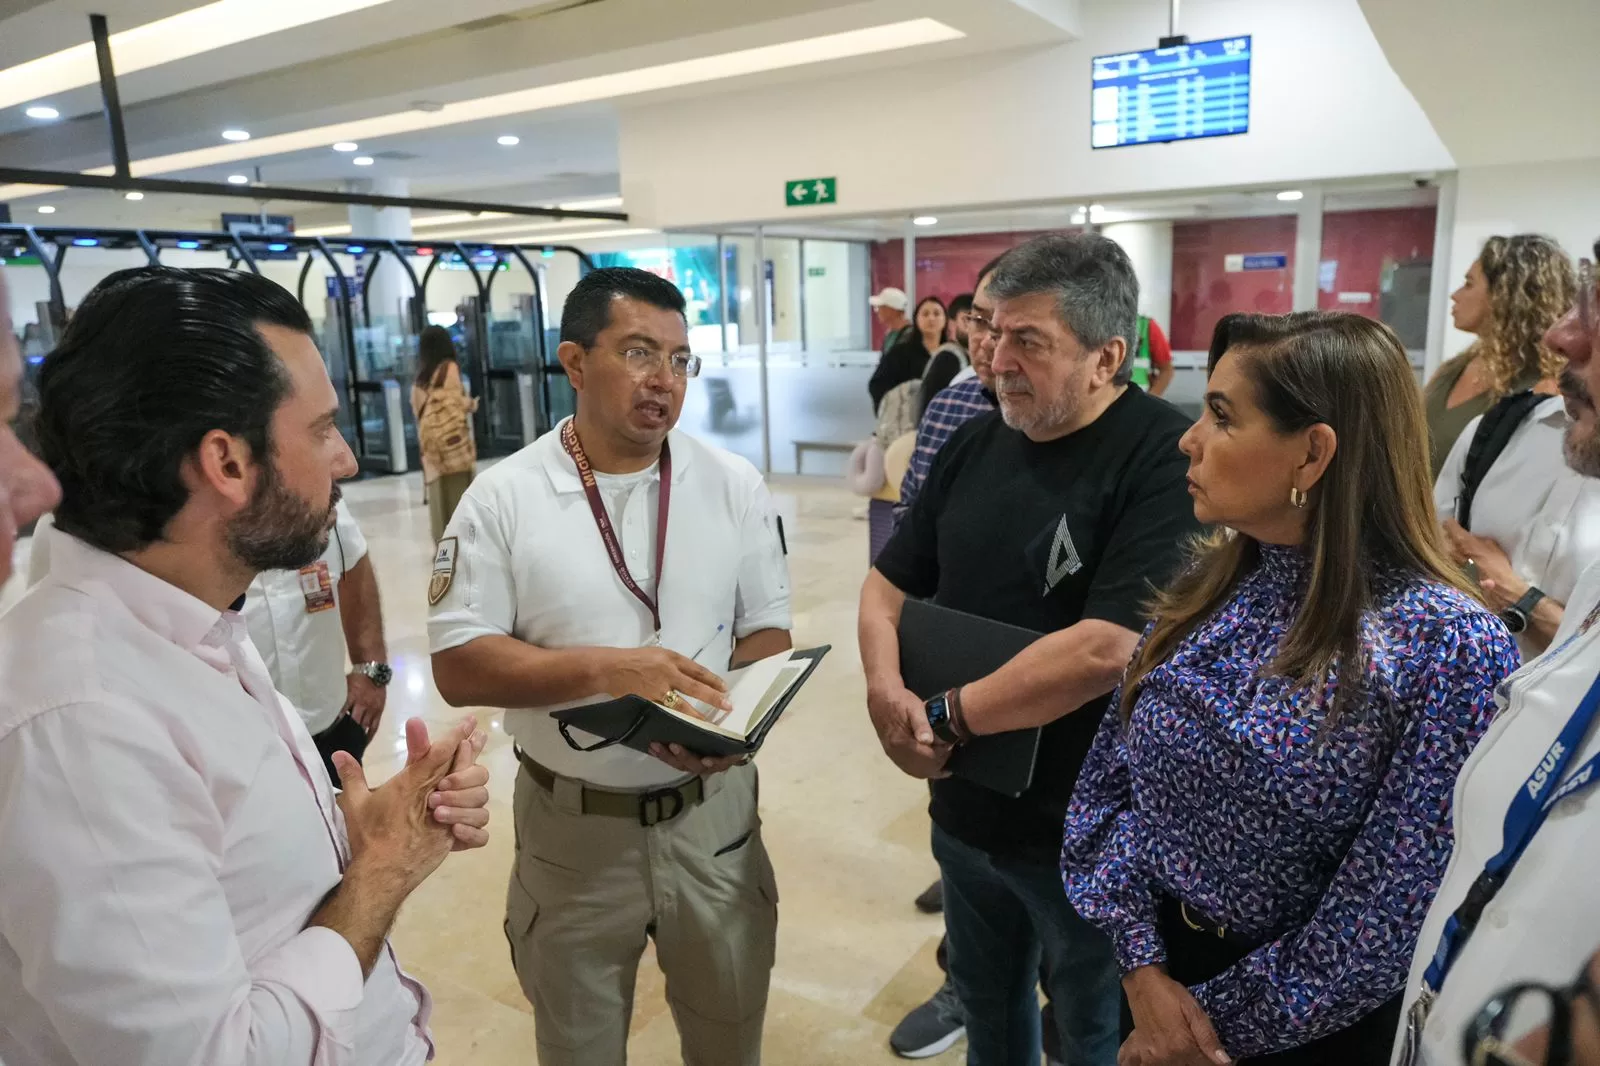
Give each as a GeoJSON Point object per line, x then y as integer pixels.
{"type": "Point", "coordinates": [1531, 284]}
{"type": "Point", "coordinates": [1372, 508]}
{"type": "Point", "coordinates": [435, 349]}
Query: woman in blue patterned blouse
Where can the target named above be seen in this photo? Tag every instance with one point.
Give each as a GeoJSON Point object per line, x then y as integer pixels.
{"type": "Point", "coordinates": [1261, 828]}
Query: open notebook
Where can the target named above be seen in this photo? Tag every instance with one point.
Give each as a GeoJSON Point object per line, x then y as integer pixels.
{"type": "Point", "coordinates": [759, 693]}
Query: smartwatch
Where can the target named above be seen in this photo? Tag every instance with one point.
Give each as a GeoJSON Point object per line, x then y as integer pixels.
{"type": "Point", "coordinates": [940, 719]}
{"type": "Point", "coordinates": [379, 674]}
{"type": "Point", "coordinates": [1517, 616]}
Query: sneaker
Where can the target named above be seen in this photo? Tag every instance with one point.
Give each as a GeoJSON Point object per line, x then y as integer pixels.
{"type": "Point", "coordinates": [932, 899]}
{"type": "Point", "coordinates": [932, 1028]}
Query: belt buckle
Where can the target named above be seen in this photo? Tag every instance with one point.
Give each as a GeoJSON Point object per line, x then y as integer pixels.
{"type": "Point", "coordinates": [653, 809]}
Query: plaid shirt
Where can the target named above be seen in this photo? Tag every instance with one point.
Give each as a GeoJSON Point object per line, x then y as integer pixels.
{"type": "Point", "coordinates": [946, 413]}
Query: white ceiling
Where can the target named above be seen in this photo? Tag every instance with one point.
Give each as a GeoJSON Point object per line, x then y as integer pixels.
{"type": "Point", "coordinates": [387, 58]}
{"type": "Point", "coordinates": [1502, 81]}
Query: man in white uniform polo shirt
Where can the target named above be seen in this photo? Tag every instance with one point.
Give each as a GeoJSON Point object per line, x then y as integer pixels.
{"type": "Point", "coordinates": [549, 593]}
{"type": "Point", "coordinates": [1527, 809]}
{"type": "Point", "coordinates": [306, 622]}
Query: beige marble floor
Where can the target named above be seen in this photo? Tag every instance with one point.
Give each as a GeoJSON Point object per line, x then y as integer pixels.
{"type": "Point", "coordinates": [848, 833]}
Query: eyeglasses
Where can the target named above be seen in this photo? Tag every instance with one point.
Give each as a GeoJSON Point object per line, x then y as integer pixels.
{"type": "Point", "coordinates": [1531, 1005]}
{"type": "Point", "coordinates": [1588, 298]}
{"type": "Point", "coordinates": [642, 362]}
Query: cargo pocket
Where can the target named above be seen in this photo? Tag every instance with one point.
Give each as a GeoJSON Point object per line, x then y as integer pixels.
{"type": "Point", "coordinates": [522, 911]}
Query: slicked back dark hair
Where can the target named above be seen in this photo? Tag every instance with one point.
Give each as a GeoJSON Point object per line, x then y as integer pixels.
{"type": "Point", "coordinates": [154, 359]}
{"type": "Point", "coordinates": [588, 309]}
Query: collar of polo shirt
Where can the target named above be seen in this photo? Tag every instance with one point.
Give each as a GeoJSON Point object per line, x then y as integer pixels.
{"type": "Point", "coordinates": [564, 472]}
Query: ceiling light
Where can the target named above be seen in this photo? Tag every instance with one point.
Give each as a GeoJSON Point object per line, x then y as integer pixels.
{"type": "Point", "coordinates": [235, 135]}
{"type": "Point", "coordinates": [362, 160]}
{"type": "Point", "coordinates": [925, 220]}
{"type": "Point", "coordinates": [133, 196]}
{"type": "Point", "coordinates": [47, 209]}
{"type": "Point", "coordinates": [599, 203]}
{"type": "Point", "coordinates": [1094, 208]}
{"type": "Point", "coordinates": [42, 112]}
{"type": "Point", "coordinates": [1291, 194]}
{"type": "Point", "coordinates": [188, 33]}
{"type": "Point", "coordinates": [871, 40]}
{"type": "Point", "coordinates": [510, 140]}
{"type": "Point", "coordinates": [340, 230]}
{"type": "Point", "coordinates": [238, 179]}
{"type": "Point", "coordinates": [1079, 218]}
{"type": "Point", "coordinates": [424, 221]}
{"type": "Point", "coordinates": [346, 146]}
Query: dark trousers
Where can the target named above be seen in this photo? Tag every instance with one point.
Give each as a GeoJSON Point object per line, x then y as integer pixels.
{"type": "Point", "coordinates": [343, 735]}
{"type": "Point", "coordinates": [1003, 917]}
{"type": "Point", "coordinates": [1197, 955]}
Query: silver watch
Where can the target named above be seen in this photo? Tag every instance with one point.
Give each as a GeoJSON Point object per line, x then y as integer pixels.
{"type": "Point", "coordinates": [379, 674]}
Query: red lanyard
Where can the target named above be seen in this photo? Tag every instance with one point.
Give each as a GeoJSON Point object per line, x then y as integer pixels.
{"type": "Point", "coordinates": [569, 441]}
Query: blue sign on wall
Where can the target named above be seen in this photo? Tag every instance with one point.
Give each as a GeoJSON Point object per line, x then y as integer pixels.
{"type": "Point", "coordinates": [1266, 262]}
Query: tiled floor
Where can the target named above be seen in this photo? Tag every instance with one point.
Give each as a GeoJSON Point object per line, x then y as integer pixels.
{"type": "Point", "coordinates": [848, 833]}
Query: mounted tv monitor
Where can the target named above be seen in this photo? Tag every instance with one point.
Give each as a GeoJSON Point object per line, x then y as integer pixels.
{"type": "Point", "coordinates": [1171, 94]}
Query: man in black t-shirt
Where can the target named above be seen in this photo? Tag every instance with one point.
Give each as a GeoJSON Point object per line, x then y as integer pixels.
{"type": "Point", "coordinates": [1059, 513]}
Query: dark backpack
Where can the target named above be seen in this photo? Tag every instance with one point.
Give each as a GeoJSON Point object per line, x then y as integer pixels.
{"type": "Point", "coordinates": [1493, 434]}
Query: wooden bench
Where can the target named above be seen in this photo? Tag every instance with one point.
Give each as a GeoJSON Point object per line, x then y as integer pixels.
{"type": "Point", "coordinates": [803, 446]}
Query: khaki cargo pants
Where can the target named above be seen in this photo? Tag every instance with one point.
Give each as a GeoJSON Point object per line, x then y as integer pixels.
{"type": "Point", "coordinates": [586, 890]}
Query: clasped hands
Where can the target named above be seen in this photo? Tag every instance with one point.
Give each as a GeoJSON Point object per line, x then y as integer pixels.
{"type": "Point", "coordinates": [436, 804]}
{"type": "Point", "coordinates": [1500, 584]}
{"type": "Point", "coordinates": [901, 721]}
{"type": "Point", "coordinates": [1169, 1027]}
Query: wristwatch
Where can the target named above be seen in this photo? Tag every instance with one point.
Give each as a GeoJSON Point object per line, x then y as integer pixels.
{"type": "Point", "coordinates": [1516, 616]}
{"type": "Point", "coordinates": [379, 674]}
{"type": "Point", "coordinates": [940, 718]}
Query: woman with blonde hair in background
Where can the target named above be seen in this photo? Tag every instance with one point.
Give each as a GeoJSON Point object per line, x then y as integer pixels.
{"type": "Point", "coordinates": [1514, 291]}
{"type": "Point", "coordinates": [1261, 829]}
{"type": "Point", "coordinates": [443, 409]}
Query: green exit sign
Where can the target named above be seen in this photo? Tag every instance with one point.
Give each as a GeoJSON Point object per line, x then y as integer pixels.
{"type": "Point", "coordinates": [816, 272]}
{"type": "Point", "coordinates": [810, 191]}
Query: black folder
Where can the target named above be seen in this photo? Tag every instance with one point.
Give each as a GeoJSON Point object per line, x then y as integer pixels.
{"type": "Point", "coordinates": [635, 722]}
{"type": "Point", "coordinates": [941, 649]}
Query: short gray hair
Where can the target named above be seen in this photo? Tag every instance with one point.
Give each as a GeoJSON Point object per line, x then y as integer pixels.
{"type": "Point", "coordinates": [1092, 280]}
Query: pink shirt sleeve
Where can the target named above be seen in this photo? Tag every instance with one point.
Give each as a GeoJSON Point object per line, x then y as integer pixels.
{"type": "Point", "coordinates": [111, 844]}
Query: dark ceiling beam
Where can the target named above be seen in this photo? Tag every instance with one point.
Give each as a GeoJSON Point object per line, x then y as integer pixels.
{"type": "Point", "coordinates": [74, 180]}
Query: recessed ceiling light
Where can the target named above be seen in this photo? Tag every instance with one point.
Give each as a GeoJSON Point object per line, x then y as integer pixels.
{"type": "Point", "coordinates": [510, 140]}
{"type": "Point", "coordinates": [1079, 218]}
{"type": "Point", "coordinates": [1291, 194]}
{"type": "Point", "coordinates": [362, 160]}
{"type": "Point", "coordinates": [346, 146]}
{"type": "Point", "coordinates": [785, 55]}
{"type": "Point", "coordinates": [236, 135]}
{"type": "Point", "coordinates": [188, 33]}
{"type": "Point", "coordinates": [431, 107]}
{"type": "Point", "coordinates": [42, 112]}
{"type": "Point", "coordinates": [133, 195]}
{"type": "Point", "coordinates": [47, 209]}
{"type": "Point", "coordinates": [925, 220]}
{"type": "Point", "coordinates": [238, 179]}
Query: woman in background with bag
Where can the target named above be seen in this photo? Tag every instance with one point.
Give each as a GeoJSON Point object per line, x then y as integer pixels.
{"type": "Point", "coordinates": [444, 426]}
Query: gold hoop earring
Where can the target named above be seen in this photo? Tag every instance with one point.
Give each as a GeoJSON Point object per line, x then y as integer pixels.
{"type": "Point", "coordinates": [1297, 499]}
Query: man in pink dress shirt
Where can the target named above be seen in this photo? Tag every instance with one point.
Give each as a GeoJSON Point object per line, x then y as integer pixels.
{"type": "Point", "coordinates": [180, 885]}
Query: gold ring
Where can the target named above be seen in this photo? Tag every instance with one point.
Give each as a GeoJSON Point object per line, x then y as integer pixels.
{"type": "Point", "coordinates": [670, 699]}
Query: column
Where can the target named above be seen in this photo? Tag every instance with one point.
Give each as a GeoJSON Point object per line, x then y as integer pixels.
{"type": "Point", "coordinates": [1308, 251]}
{"type": "Point", "coordinates": [390, 287]}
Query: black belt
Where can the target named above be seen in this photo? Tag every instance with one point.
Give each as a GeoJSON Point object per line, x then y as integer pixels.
{"type": "Point", "coordinates": [650, 808]}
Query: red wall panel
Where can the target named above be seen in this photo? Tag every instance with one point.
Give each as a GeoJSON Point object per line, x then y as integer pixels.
{"type": "Point", "coordinates": [946, 266]}
{"type": "Point", "coordinates": [1203, 289]}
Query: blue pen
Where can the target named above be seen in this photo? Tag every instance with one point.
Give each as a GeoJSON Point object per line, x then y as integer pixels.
{"type": "Point", "coordinates": [696, 656]}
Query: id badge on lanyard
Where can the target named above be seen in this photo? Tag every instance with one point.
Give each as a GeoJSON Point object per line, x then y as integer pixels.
{"type": "Point", "coordinates": [1547, 785]}
{"type": "Point", "coordinates": [317, 587]}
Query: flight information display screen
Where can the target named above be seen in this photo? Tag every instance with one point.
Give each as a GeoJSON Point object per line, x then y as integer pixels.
{"type": "Point", "coordinates": [1171, 94]}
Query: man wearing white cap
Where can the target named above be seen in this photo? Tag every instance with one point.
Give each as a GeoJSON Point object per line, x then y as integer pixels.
{"type": "Point", "coordinates": [890, 306]}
